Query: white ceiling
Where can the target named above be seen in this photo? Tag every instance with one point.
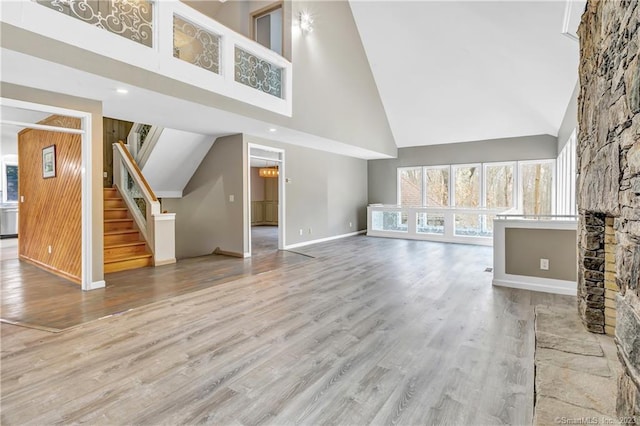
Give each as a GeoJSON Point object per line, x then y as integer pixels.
{"type": "Point", "coordinates": [455, 71]}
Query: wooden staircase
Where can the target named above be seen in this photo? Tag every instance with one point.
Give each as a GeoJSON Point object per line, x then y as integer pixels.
{"type": "Point", "coordinates": [124, 247]}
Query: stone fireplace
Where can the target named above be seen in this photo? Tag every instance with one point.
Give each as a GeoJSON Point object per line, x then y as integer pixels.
{"type": "Point", "coordinates": [609, 184]}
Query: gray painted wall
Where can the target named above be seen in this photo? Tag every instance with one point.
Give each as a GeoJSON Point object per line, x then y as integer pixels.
{"type": "Point", "coordinates": [325, 193]}
{"type": "Point", "coordinates": [570, 120]}
{"type": "Point", "coordinates": [525, 247]}
{"type": "Point", "coordinates": [205, 218]}
{"type": "Point", "coordinates": [382, 173]}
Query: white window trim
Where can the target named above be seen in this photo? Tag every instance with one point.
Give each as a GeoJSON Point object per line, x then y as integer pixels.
{"type": "Point", "coordinates": [517, 195]}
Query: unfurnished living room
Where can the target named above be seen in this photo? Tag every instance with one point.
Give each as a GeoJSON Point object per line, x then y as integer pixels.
{"type": "Point", "coordinates": [344, 212]}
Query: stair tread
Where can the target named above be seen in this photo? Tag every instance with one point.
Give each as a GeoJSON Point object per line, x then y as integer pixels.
{"type": "Point", "coordinates": [128, 257]}
{"type": "Point", "coordinates": [121, 231]}
{"type": "Point", "coordinates": [115, 208]}
{"type": "Point", "coordinates": [118, 220]}
{"type": "Point", "coordinates": [127, 244]}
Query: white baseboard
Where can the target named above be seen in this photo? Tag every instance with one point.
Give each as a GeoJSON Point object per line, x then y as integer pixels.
{"type": "Point", "coordinates": [97, 284]}
{"type": "Point", "coordinates": [164, 262]}
{"type": "Point", "coordinates": [230, 253]}
{"type": "Point", "coordinates": [568, 288]}
{"type": "Point", "coordinates": [322, 240]}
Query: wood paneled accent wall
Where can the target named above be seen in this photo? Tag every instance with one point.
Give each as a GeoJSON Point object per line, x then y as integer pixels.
{"type": "Point", "coordinates": [51, 213]}
{"type": "Point", "coordinates": [114, 131]}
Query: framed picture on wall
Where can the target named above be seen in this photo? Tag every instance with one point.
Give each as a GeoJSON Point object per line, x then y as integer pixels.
{"type": "Point", "coordinates": [49, 162]}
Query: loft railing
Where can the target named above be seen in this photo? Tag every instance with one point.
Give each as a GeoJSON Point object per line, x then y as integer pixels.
{"type": "Point", "coordinates": [141, 140]}
{"type": "Point", "coordinates": [132, 20]}
{"type": "Point", "coordinates": [447, 224]}
{"type": "Point", "coordinates": [166, 37]}
{"type": "Point", "coordinates": [157, 228]}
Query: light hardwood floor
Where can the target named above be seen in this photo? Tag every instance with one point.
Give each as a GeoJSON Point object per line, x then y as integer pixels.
{"type": "Point", "coordinates": [371, 331]}
{"type": "Point", "coordinates": [264, 239]}
{"type": "Point", "coordinates": [36, 298]}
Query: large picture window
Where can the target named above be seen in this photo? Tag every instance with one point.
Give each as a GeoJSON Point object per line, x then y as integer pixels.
{"type": "Point", "coordinates": [536, 188]}
{"type": "Point", "coordinates": [527, 185]}
{"type": "Point", "coordinates": [437, 186]}
{"type": "Point", "coordinates": [566, 178]}
{"type": "Point", "coordinates": [467, 185]}
{"type": "Point", "coordinates": [410, 186]}
{"type": "Point", "coordinates": [499, 189]}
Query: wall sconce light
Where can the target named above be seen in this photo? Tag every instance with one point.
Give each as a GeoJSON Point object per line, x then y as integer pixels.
{"type": "Point", "coordinates": [306, 22]}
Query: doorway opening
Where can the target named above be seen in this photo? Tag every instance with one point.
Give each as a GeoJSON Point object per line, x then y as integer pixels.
{"type": "Point", "coordinates": [267, 26]}
{"type": "Point", "coordinates": [65, 162]}
{"type": "Point", "coordinates": [266, 199]}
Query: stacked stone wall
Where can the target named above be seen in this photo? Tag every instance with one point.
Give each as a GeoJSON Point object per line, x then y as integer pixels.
{"type": "Point", "coordinates": [609, 172]}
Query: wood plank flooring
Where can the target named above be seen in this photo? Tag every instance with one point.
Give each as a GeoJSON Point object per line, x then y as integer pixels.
{"type": "Point", "coordinates": [264, 239]}
{"type": "Point", "coordinates": [371, 331]}
{"type": "Point", "coordinates": [36, 298]}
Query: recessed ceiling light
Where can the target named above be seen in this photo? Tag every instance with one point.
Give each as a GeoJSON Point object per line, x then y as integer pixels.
{"type": "Point", "coordinates": [122, 91]}
{"type": "Point", "coordinates": [273, 129]}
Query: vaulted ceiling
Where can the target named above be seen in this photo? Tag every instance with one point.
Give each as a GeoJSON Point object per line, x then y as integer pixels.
{"type": "Point", "coordinates": [446, 71]}
{"type": "Point", "coordinates": [456, 71]}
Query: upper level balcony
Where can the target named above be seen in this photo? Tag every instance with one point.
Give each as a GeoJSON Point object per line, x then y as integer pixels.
{"type": "Point", "coordinates": [165, 37]}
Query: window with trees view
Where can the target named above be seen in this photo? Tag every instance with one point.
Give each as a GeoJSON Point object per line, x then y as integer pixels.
{"type": "Point", "coordinates": [467, 186]}
{"type": "Point", "coordinates": [499, 187]}
{"type": "Point", "coordinates": [437, 186]}
{"type": "Point", "coordinates": [527, 185]}
{"type": "Point", "coordinates": [536, 187]}
{"type": "Point", "coordinates": [410, 186]}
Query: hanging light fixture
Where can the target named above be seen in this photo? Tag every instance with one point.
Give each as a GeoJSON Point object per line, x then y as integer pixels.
{"type": "Point", "coordinates": [268, 172]}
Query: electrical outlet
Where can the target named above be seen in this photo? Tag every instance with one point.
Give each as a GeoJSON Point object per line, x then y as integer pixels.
{"type": "Point", "coordinates": [232, 198]}
{"type": "Point", "coordinates": [301, 232]}
{"type": "Point", "coordinates": [105, 175]}
{"type": "Point", "coordinates": [544, 264]}
{"type": "Point", "coordinates": [350, 224]}
{"type": "Point", "coordinates": [310, 231]}
{"type": "Point", "coordinates": [49, 249]}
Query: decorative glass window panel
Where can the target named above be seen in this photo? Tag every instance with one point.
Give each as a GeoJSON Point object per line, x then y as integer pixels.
{"type": "Point", "coordinates": [467, 186]}
{"type": "Point", "coordinates": [410, 186]}
{"type": "Point", "coordinates": [196, 45]}
{"type": "Point", "coordinates": [130, 19]}
{"type": "Point", "coordinates": [257, 73]}
{"type": "Point", "coordinates": [430, 223]}
{"type": "Point", "coordinates": [498, 186]}
{"type": "Point", "coordinates": [437, 186]}
{"type": "Point", "coordinates": [389, 221]}
{"type": "Point", "coordinates": [470, 225]}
